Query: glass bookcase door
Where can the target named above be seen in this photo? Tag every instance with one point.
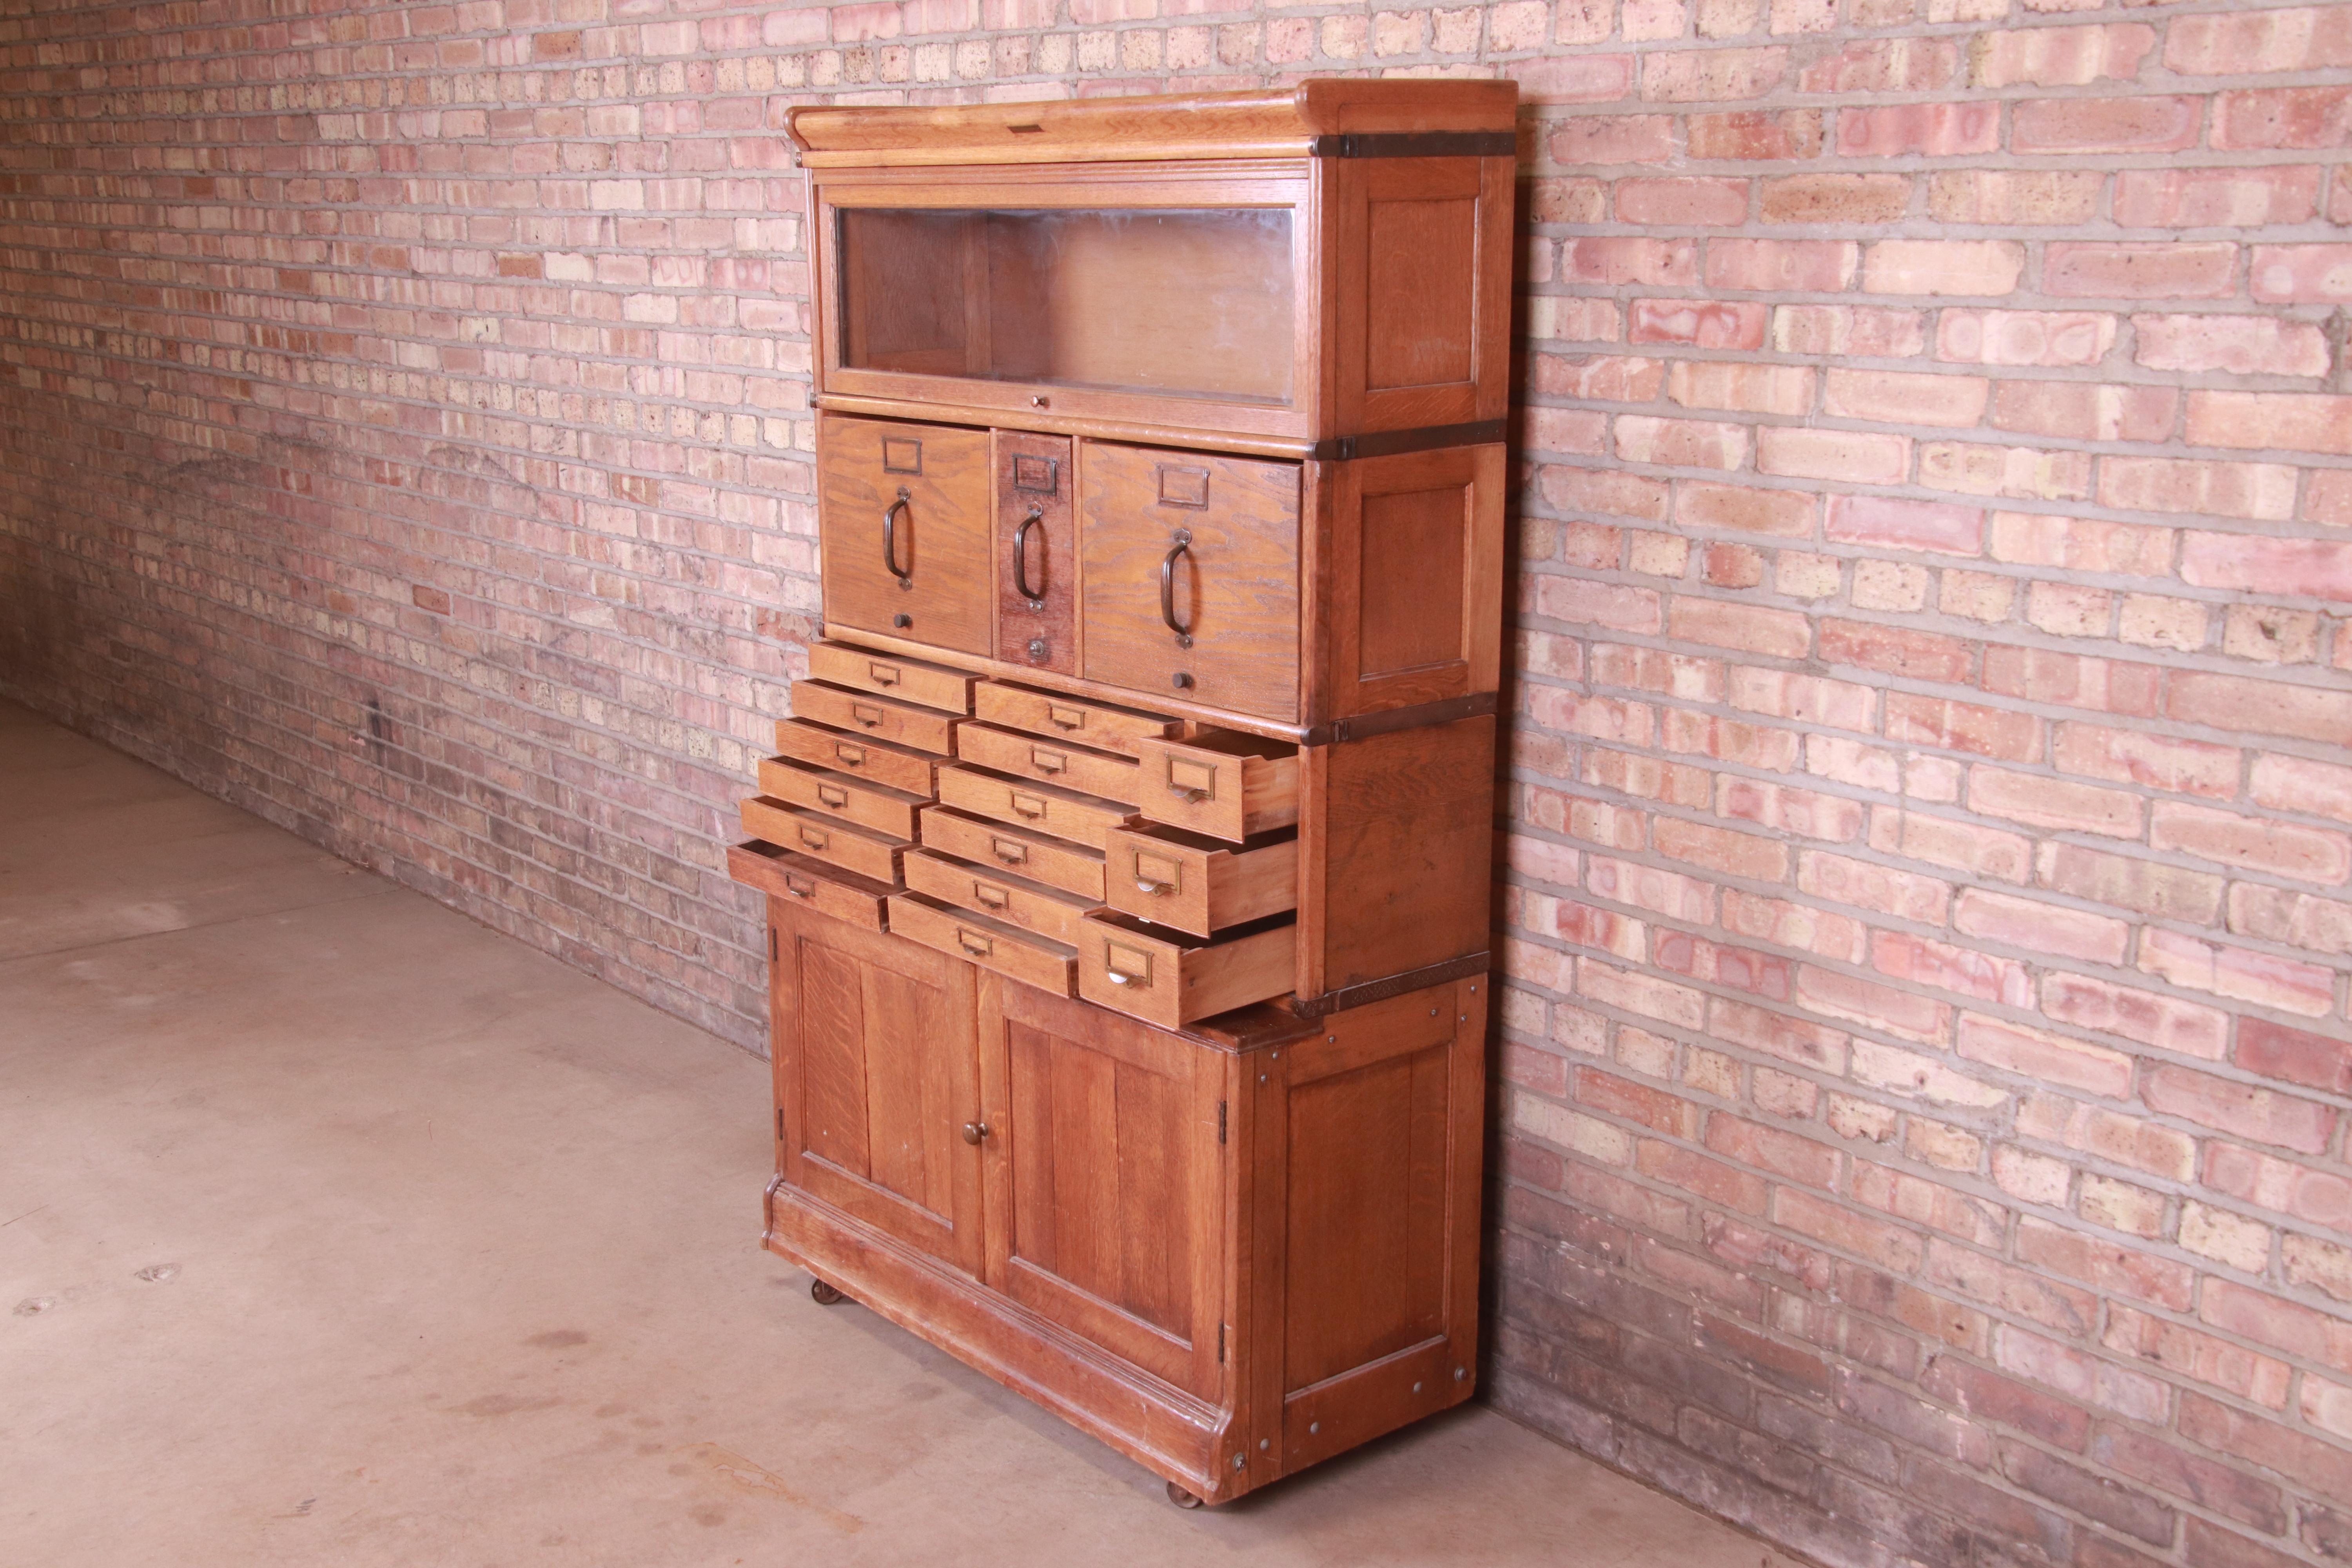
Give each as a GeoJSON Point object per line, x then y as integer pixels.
{"type": "Point", "coordinates": [1186, 303]}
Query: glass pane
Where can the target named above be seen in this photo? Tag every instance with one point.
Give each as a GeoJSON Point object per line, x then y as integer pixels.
{"type": "Point", "coordinates": [1190, 303]}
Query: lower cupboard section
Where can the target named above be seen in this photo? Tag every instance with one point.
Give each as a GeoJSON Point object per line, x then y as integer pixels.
{"type": "Point", "coordinates": [1229, 1251]}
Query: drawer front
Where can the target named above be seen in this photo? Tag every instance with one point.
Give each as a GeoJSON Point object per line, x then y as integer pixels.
{"type": "Point", "coordinates": [1107, 774]}
{"type": "Point", "coordinates": [1080, 818]}
{"type": "Point", "coordinates": [1073, 867]}
{"type": "Point", "coordinates": [824, 838]}
{"type": "Point", "coordinates": [903, 516]}
{"type": "Point", "coordinates": [884, 719]}
{"type": "Point", "coordinates": [852, 799]}
{"type": "Point", "coordinates": [1103, 724]}
{"type": "Point", "coordinates": [1032, 906]}
{"type": "Point", "coordinates": [1032, 960]}
{"type": "Point", "coordinates": [810, 884]}
{"type": "Point", "coordinates": [897, 767]}
{"type": "Point", "coordinates": [1171, 980]}
{"type": "Point", "coordinates": [1175, 878]}
{"type": "Point", "coordinates": [1225, 785]}
{"type": "Point", "coordinates": [1207, 545]}
{"type": "Point", "coordinates": [1036, 553]}
{"type": "Point", "coordinates": [888, 675]}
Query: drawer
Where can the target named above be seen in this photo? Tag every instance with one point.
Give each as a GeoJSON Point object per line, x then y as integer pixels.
{"type": "Point", "coordinates": [1164, 978]}
{"type": "Point", "coordinates": [1082, 768]}
{"type": "Point", "coordinates": [1073, 867]}
{"type": "Point", "coordinates": [887, 675]}
{"type": "Point", "coordinates": [1065, 814]}
{"type": "Point", "coordinates": [1104, 724]}
{"type": "Point", "coordinates": [894, 767]}
{"type": "Point", "coordinates": [903, 517]}
{"type": "Point", "coordinates": [1226, 785]}
{"type": "Point", "coordinates": [1010, 951]}
{"type": "Point", "coordinates": [845, 795]}
{"type": "Point", "coordinates": [883, 718]}
{"type": "Point", "coordinates": [1036, 553]}
{"type": "Point", "coordinates": [827, 838]}
{"type": "Point", "coordinates": [798, 880]}
{"type": "Point", "coordinates": [1195, 884]}
{"type": "Point", "coordinates": [1034, 907]}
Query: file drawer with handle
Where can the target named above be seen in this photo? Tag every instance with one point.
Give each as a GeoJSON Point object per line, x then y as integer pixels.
{"type": "Point", "coordinates": [1172, 878]}
{"type": "Point", "coordinates": [1057, 863]}
{"type": "Point", "coordinates": [826, 838]}
{"type": "Point", "coordinates": [1066, 814]}
{"type": "Point", "coordinates": [1227, 785]}
{"type": "Point", "coordinates": [798, 880]}
{"type": "Point", "coordinates": [888, 675]}
{"type": "Point", "coordinates": [1008, 949]}
{"type": "Point", "coordinates": [882, 718]}
{"type": "Point", "coordinates": [1107, 775]}
{"type": "Point", "coordinates": [894, 767]}
{"type": "Point", "coordinates": [1169, 978]}
{"type": "Point", "coordinates": [845, 795]}
{"type": "Point", "coordinates": [1095, 723]}
{"type": "Point", "coordinates": [998, 894]}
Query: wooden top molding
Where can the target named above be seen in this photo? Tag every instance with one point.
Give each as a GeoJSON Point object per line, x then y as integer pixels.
{"type": "Point", "coordinates": [1283, 123]}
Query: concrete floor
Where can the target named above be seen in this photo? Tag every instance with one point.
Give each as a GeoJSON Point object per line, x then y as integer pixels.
{"type": "Point", "coordinates": [337, 1229]}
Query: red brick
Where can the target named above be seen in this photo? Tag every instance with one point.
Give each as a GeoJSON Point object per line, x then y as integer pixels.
{"type": "Point", "coordinates": [2024, 337]}
{"type": "Point", "coordinates": [2298, 274]}
{"type": "Point", "coordinates": [2039, 928]}
{"type": "Point", "coordinates": [1928, 129]}
{"type": "Point", "coordinates": [1589, 141]}
{"type": "Point", "coordinates": [1683, 202]}
{"type": "Point", "coordinates": [1784, 514]}
{"type": "Point", "coordinates": [2101, 269]}
{"type": "Point", "coordinates": [1775, 266]}
{"type": "Point", "coordinates": [2241, 44]}
{"type": "Point", "coordinates": [1904, 398]}
{"type": "Point", "coordinates": [2166, 1022]}
{"type": "Point", "coordinates": [1631, 1102]}
{"type": "Point", "coordinates": [2185, 1352]}
{"type": "Point", "coordinates": [2301, 568]}
{"type": "Point", "coordinates": [2294, 117]}
{"type": "Point", "coordinates": [2316, 1466]}
{"type": "Point", "coordinates": [1904, 894]}
{"type": "Point", "coordinates": [1756, 135]}
{"type": "Point", "coordinates": [1857, 456]}
{"type": "Point", "coordinates": [1702, 324]}
{"type": "Point", "coordinates": [2282, 848]}
{"type": "Point", "coordinates": [2054, 803]}
{"type": "Point", "coordinates": [2131, 756]}
{"type": "Point", "coordinates": [2298, 783]}
{"type": "Point", "coordinates": [1711, 1179]}
{"type": "Point", "coordinates": [1889, 524]}
{"type": "Point", "coordinates": [2243, 346]}
{"type": "Point", "coordinates": [1748, 388]}
{"type": "Point", "coordinates": [2296, 1056]}
{"type": "Point", "coordinates": [1835, 198]}
{"type": "Point", "coordinates": [1776, 1152]}
{"type": "Point", "coordinates": [2205, 1545]}
{"type": "Point", "coordinates": [2262, 1115]}
{"type": "Point", "coordinates": [1752, 628]}
{"type": "Point", "coordinates": [2086, 411]}
{"type": "Point", "coordinates": [2260, 707]}
{"type": "Point", "coordinates": [1943, 267]}
{"type": "Point", "coordinates": [1712, 76]}
{"type": "Point", "coordinates": [2217, 198]}
{"type": "Point", "coordinates": [1886, 65]}
{"type": "Point", "coordinates": [2169, 1467]}
{"type": "Point", "coordinates": [2146, 124]}
{"type": "Point", "coordinates": [2271, 1321]}
{"type": "Point", "coordinates": [2045, 1057]}
{"type": "Point", "coordinates": [2102, 1264]}
{"type": "Point", "coordinates": [1988, 1396]}
{"type": "Point", "coordinates": [1681, 443]}
{"type": "Point", "coordinates": [1963, 727]}
{"type": "Point", "coordinates": [1745, 855]}
{"type": "Point", "coordinates": [2243, 973]}
{"type": "Point", "coordinates": [2284, 1187]}
{"type": "Point", "coordinates": [1611, 378]}
{"type": "Point", "coordinates": [1888, 1245]}
{"type": "Point", "coordinates": [2083, 1377]}
{"type": "Point", "coordinates": [1874, 1006]}
{"type": "Point", "coordinates": [2059, 57]}
{"type": "Point", "coordinates": [1614, 261]}
{"type": "Point", "coordinates": [1921, 656]}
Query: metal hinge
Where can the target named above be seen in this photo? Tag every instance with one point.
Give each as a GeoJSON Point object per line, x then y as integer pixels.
{"type": "Point", "coordinates": [1221, 1343]}
{"type": "Point", "coordinates": [780, 1124]}
{"type": "Point", "coordinates": [772, 944]}
{"type": "Point", "coordinates": [1221, 1122]}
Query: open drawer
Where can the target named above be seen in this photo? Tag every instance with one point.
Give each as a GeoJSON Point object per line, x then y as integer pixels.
{"type": "Point", "coordinates": [881, 718]}
{"type": "Point", "coordinates": [826, 838]}
{"type": "Point", "coordinates": [1010, 951]}
{"type": "Point", "coordinates": [992, 891]}
{"type": "Point", "coordinates": [1110, 775]}
{"type": "Point", "coordinates": [1073, 867]}
{"type": "Point", "coordinates": [1171, 978]}
{"type": "Point", "coordinates": [889, 674]}
{"type": "Point", "coordinates": [1066, 814]}
{"type": "Point", "coordinates": [1172, 878]}
{"type": "Point", "coordinates": [896, 767]}
{"type": "Point", "coordinates": [799, 879]}
{"type": "Point", "coordinates": [1049, 714]}
{"type": "Point", "coordinates": [1223, 784]}
{"type": "Point", "coordinates": [878, 806]}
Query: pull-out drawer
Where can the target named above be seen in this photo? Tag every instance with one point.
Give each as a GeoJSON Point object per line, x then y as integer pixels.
{"type": "Point", "coordinates": [1104, 724]}
{"type": "Point", "coordinates": [883, 718]}
{"type": "Point", "coordinates": [1107, 775]}
{"type": "Point", "coordinates": [845, 795]}
{"type": "Point", "coordinates": [1165, 978]}
{"type": "Point", "coordinates": [888, 675]}
{"type": "Point", "coordinates": [1034, 907]}
{"type": "Point", "coordinates": [1010, 951]}
{"type": "Point", "coordinates": [896, 767]}
{"type": "Point", "coordinates": [827, 838]}
{"type": "Point", "coordinates": [798, 880]}
{"type": "Point", "coordinates": [1227, 785]}
{"type": "Point", "coordinates": [1200, 885]}
{"type": "Point", "coordinates": [1065, 814]}
{"type": "Point", "coordinates": [1073, 867]}
{"type": "Point", "coordinates": [903, 517]}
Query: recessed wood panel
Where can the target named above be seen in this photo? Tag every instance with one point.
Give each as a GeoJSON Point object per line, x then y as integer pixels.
{"type": "Point", "coordinates": [903, 511]}
{"type": "Point", "coordinates": [1418, 295]}
{"type": "Point", "coordinates": [1409, 581]}
{"type": "Point", "coordinates": [1406, 826]}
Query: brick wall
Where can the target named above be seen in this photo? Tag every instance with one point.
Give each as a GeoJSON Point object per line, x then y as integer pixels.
{"type": "Point", "coordinates": [1925, 1050]}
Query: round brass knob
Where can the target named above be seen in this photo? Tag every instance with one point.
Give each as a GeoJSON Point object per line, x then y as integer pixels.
{"type": "Point", "coordinates": [974, 1132]}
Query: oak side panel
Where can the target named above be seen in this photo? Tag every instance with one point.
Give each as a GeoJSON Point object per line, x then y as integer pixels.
{"type": "Point", "coordinates": [1406, 836]}
{"type": "Point", "coordinates": [1412, 587]}
{"type": "Point", "coordinates": [1407, 349]}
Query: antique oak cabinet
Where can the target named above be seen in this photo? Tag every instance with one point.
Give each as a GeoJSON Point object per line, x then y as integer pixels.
{"type": "Point", "coordinates": [1127, 851]}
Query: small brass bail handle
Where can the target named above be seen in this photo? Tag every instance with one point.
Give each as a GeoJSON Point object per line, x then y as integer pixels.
{"type": "Point", "coordinates": [974, 1132]}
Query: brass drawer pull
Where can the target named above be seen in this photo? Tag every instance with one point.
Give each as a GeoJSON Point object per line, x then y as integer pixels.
{"type": "Point", "coordinates": [832, 796]}
{"type": "Point", "coordinates": [799, 888]}
{"type": "Point", "coordinates": [890, 536]}
{"type": "Point", "coordinates": [882, 674]}
{"type": "Point", "coordinates": [1168, 587]}
{"type": "Point", "coordinates": [1136, 973]}
{"type": "Point", "coordinates": [1028, 805]}
{"type": "Point", "coordinates": [1010, 851]}
{"type": "Point", "coordinates": [974, 943]}
{"type": "Point", "coordinates": [1192, 782]}
{"type": "Point", "coordinates": [814, 839]}
{"type": "Point", "coordinates": [869, 717]}
{"type": "Point", "coordinates": [1046, 762]}
{"type": "Point", "coordinates": [989, 896]}
{"type": "Point", "coordinates": [975, 1131]}
{"type": "Point", "coordinates": [1021, 558]}
{"type": "Point", "coordinates": [1065, 718]}
{"type": "Point", "coordinates": [849, 756]}
{"type": "Point", "coordinates": [1154, 889]}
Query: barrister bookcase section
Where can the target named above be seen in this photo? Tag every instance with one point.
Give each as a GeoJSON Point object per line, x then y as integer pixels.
{"type": "Point", "coordinates": [1127, 849]}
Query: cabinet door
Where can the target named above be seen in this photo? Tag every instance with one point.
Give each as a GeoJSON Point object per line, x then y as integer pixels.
{"type": "Point", "coordinates": [877, 1078]}
{"type": "Point", "coordinates": [903, 511]}
{"type": "Point", "coordinates": [1190, 585]}
{"type": "Point", "coordinates": [1107, 1179]}
{"type": "Point", "coordinates": [1037, 552]}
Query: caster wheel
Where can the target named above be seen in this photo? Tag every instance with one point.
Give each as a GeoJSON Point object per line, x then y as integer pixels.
{"type": "Point", "coordinates": [1181, 1498]}
{"type": "Point", "coordinates": [825, 1295]}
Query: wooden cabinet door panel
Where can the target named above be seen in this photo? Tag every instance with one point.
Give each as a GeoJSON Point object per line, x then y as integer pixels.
{"type": "Point", "coordinates": [1225, 532]}
{"type": "Point", "coordinates": [1107, 1180]}
{"type": "Point", "coordinates": [894, 499]}
{"type": "Point", "coordinates": [876, 1074]}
